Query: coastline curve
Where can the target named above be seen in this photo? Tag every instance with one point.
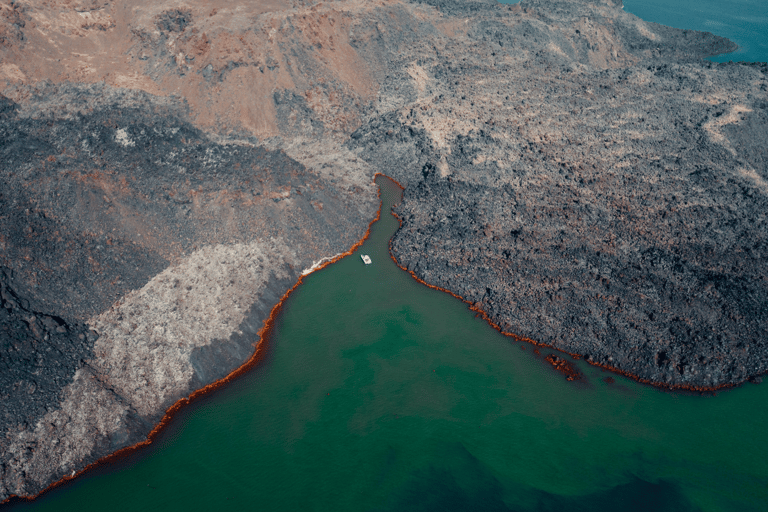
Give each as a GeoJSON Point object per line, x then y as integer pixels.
{"type": "Point", "coordinates": [263, 336]}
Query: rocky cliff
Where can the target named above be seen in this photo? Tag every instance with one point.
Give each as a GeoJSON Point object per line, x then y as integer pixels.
{"type": "Point", "coordinates": [170, 168]}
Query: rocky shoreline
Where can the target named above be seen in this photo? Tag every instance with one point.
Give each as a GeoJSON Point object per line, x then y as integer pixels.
{"type": "Point", "coordinates": [160, 254]}
{"type": "Point", "coordinates": [612, 213]}
{"type": "Point", "coordinates": [583, 177]}
{"type": "Point", "coordinates": [623, 314]}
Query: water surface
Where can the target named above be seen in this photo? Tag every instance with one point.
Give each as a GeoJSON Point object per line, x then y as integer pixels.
{"type": "Point", "coordinates": [744, 22]}
{"type": "Point", "coordinates": [379, 393]}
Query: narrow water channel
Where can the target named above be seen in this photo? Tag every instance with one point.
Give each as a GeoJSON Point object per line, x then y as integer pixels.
{"type": "Point", "coordinates": [379, 393]}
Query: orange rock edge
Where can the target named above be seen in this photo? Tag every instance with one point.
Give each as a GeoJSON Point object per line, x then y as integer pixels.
{"type": "Point", "coordinates": [565, 367]}
{"type": "Point", "coordinates": [264, 335]}
{"type": "Point", "coordinates": [516, 337]}
{"type": "Point", "coordinates": [266, 331]}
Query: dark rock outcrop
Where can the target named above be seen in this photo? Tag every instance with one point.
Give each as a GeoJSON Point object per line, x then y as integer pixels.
{"type": "Point", "coordinates": [603, 193]}
{"type": "Point", "coordinates": [139, 260]}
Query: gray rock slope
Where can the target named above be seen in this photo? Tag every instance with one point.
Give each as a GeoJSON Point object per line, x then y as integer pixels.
{"type": "Point", "coordinates": [584, 177]}
{"type": "Point", "coordinates": [591, 184]}
{"type": "Point", "coordinates": [139, 262]}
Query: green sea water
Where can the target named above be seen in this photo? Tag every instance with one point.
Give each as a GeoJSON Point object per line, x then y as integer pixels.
{"type": "Point", "coordinates": [379, 393]}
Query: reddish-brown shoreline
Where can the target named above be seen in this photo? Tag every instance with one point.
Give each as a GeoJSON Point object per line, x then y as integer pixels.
{"type": "Point", "coordinates": [565, 367]}
{"type": "Point", "coordinates": [264, 334]}
{"type": "Point", "coordinates": [266, 330]}
{"type": "Point", "coordinates": [484, 315]}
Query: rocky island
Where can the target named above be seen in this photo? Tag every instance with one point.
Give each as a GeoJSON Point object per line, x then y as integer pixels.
{"type": "Point", "coordinates": [170, 169]}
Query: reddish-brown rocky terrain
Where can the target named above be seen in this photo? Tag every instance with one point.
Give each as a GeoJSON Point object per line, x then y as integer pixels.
{"type": "Point", "coordinates": [170, 168]}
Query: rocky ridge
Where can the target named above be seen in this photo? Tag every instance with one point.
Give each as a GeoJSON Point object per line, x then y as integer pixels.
{"type": "Point", "coordinates": [169, 169]}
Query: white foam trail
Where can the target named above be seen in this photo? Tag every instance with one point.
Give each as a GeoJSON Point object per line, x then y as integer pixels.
{"type": "Point", "coordinates": [317, 264]}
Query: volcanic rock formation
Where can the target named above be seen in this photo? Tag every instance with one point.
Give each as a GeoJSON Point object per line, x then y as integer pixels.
{"type": "Point", "coordinates": [170, 168]}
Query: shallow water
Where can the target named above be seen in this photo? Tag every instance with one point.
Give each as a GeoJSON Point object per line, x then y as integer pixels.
{"type": "Point", "coordinates": [379, 393]}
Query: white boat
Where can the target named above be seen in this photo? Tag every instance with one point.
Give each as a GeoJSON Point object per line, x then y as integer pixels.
{"type": "Point", "coordinates": [366, 259]}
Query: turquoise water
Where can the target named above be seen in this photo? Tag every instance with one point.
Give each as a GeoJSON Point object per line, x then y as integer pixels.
{"type": "Point", "coordinates": [744, 22]}
{"type": "Point", "coordinates": [378, 393]}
